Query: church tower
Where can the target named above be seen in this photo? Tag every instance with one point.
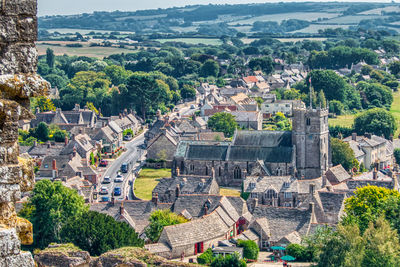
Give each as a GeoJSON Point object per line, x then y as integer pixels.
{"type": "Point", "coordinates": [310, 136]}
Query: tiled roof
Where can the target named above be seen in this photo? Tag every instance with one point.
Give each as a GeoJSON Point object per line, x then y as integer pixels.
{"type": "Point", "coordinates": [263, 138]}
{"type": "Point", "coordinates": [207, 152]}
{"type": "Point", "coordinates": [337, 174]}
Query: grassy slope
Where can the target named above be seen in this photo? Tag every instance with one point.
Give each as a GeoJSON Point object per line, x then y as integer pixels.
{"type": "Point", "coordinates": [147, 180]}
{"type": "Point", "coordinates": [347, 120]}
{"type": "Point", "coordinates": [229, 192]}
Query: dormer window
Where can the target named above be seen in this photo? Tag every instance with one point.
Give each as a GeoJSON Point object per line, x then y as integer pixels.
{"type": "Point", "coordinates": [252, 185]}
{"type": "Point", "coordinates": [286, 184]}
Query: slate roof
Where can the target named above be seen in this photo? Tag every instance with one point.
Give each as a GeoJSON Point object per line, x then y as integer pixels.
{"type": "Point", "coordinates": [207, 152]}
{"type": "Point", "coordinates": [187, 185]}
{"type": "Point", "coordinates": [194, 204]}
{"type": "Point", "coordinates": [337, 174]}
{"type": "Point", "coordinates": [246, 115]}
{"type": "Point", "coordinates": [114, 126]}
{"type": "Point", "coordinates": [283, 221]}
{"type": "Point", "coordinates": [262, 184]}
{"type": "Point", "coordinates": [42, 150]}
{"type": "Point", "coordinates": [263, 138]}
{"type": "Point", "coordinates": [73, 117]}
{"type": "Point", "coordinates": [184, 144]}
{"type": "Point", "coordinates": [268, 154]}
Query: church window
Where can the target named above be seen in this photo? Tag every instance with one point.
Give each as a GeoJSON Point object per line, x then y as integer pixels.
{"type": "Point", "coordinates": [288, 195]}
{"type": "Point", "coordinates": [191, 167]}
{"type": "Point", "coordinates": [308, 121]}
{"type": "Point", "coordinates": [237, 174]}
{"type": "Point", "coordinates": [206, 170]}
{"type": "Point", "coordinates": [271, 194]}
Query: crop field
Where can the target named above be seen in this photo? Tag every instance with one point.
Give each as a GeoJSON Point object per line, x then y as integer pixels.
{"type": "Point", "coordinates": [98, 52]}
{"type": "Point", "coordinates": [313, 28]}
{"type": "Point", "coordinates": [206, 41]}
{"type": "Point", "coordinates": [309, 16]}
{"type": "Point", "coordinates": [72, 31]}
{"type": "Point", "coordinates": [351, 19]}
{"type": "Point", "coordinates": [377, 11]}
{"type": "Point", "coordinates": [184, 29]}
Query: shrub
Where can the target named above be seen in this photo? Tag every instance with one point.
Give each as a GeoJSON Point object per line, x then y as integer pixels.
{"type": "Point", "coordinates": [229, 260]}
{"type": "Point", "coordinates": [250, 249]}
{"type": "Point", "coordinates": [206, 258]}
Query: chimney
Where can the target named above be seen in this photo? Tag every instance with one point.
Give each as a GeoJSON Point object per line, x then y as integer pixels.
{"type": "Point", "coordinates": [120, 115]}
{"type": "Point", "coordinates": [74, 152]}
{"type": "Point", "coordinates": [77, 107]}
{"type": "Point", "coordinates": [48, 144]}
{"type": "Point", "coordinates": [375, 174]}
{"type": "Point", "coordinates": [213, 172]}
{"type": "Point", "coordinates": [177, 171]}
{"type": "Point", "coordinates": [37, 110]}
{"type": "Point", "coordinates": [35, 143]}
{"type": "Point", "coordinates": [367, 135]}
{"type": "Point", "coordinates": [354, 136]}
{"type": "Point", "coordinates": [121, 208]}
{"type": "Point", "coordinates": [312, 189]}
{"type": "Point", "coordinates": [312, 209]}
{"type": "Point", "coordinates": [154, 199]}
{"type": "Point", "coordinates": [205, 209]}
{"type": "Point", "coordinates": [66, 141]}
{"type": "Point", "coordinates": [54, 165]}
{"type": "Point", "coordinates": [177, 190]}
{"type": "Point", "coordinates": [255, 202]}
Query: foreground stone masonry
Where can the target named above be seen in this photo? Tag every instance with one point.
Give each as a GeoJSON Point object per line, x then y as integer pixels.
{"type": "Point", "coordinates": [18, 82]}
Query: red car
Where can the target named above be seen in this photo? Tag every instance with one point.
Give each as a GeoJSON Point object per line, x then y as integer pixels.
{"type": "Point", "coordinates": [103, 163]}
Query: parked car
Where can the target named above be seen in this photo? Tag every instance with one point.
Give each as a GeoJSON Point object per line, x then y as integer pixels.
{"type": "Point", "coordinates": [117, 191]}
{"type": "Point", "coordinates": [103, 163]}
{"type": "Point", "coordinates": [103, 190]}
{"type": "Point", "coordinates": [124, 167]}
{"type": "Point", "coordinates": [192, 107]}
{"type": "Point", "coordinates": [105, 199]}
{"type": "Point", "coordinates": [106, 180]}
{"type": "Point", "coordinates": [127, 137]}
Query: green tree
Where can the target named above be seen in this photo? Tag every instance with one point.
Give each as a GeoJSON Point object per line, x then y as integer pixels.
{"type": "Point", "coordinates": [210, 68]}
{"type": "Point", "coordinates": [397, 155]}
{"type": "Point", "coordinates": [43, 103]}
{"type": "Point", "coordinates": [321, 100]}
{"type": "Point", "coordinates": [117, 74]}
{"type": "Point", "coordinates": [250, 249]}
{"type": "Point", "coordinates": [223, 122]}
{"type": "Point", "coordinates": [377, 121]}
{"type": "Point", "coordinates": [52, 205]}
{"type": "Point", "coordinates": [376, 95]}
{"type": "Point", "coordinates": [206, 258]}
{"type": "Point", "coordinates": [229, 260]}
{"type": "Point", "coordinates": [50, 58]}
{"type": "Point", "coordinates": [59, 135]}
{"type": "Point", "coordinates": [298, 251]}
{"type": "Point", "coordinates": [42, 132]}
{"type": "Point", "coordinates": [92, 160]}
{"type": "Point", "coordinates": [368, 204]}
{"type": "Point", "coordinates": [98, 233]}
{"type": "Point", "coordinates": [188, 92]}
{"type": "Point", "coordinates": [343, 154]}
{"type": "Point", "coordinates": [158, 220]}
{"type": "Point", "coordinates": [395, 68]}
{"type": "Point", "coordinates": [263, 63]}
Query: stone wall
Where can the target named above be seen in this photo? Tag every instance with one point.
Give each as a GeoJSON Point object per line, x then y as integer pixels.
{"type": "Point", "coordinates": [18, 82]}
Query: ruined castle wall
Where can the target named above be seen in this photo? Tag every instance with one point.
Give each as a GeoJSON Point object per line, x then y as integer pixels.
{"type": "Point", "coordinates": [18, 82]}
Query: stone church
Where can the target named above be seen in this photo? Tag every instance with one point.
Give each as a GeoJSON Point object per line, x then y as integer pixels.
{"type": "Point", "coordinates": [303, 152]}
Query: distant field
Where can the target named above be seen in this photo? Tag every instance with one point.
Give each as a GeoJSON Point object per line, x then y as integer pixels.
{"type": "Point", "coordinates": [205, 41]}
{"type": "Point", "coordinates": [313, 28]}
{"type": "Point", "coordinates": [309, 16]}
{"type": "Point", "coordinates": [148, 180]}
{"type": "Point", "coordinates": [286, 40]}
{"type": "Point", "coordinates": [184, 29]}
{"type": "Point", "coordinates": [348, 120]}
{"type": "Point", "coordinates": [377, 11]}
{"type": "Point", "coordinates": [64, 31]}
{"type": "Point", "coordinates": [355, 19]}
{"type": "Point", "coordinates": [98, 52]}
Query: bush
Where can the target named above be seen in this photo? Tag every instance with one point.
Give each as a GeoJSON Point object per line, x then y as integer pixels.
{"type": "Point", "coordinates": [397, 155]}
{"type": "Point", "coordinates": [377, 121]}
{"type": "Point", "coordinates": [250, 249]}
{"type": "Point", "coordinates": [206, 258]}
{"type": "Point", "coordinates": [229, 260]}
{"type": "Point", "coordinates": [299, 252]}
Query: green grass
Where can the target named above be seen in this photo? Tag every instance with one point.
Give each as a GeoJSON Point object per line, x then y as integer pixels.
{"type": "Point", "coordinates": [206, 41]}
{"type": "Point", "coordinates": [98, 52]}
{"type": "Point", "coordinates": [348, 120]}
{"type": "Point", "coordinates": [147, 181]}
{"type": "Point", "coordinates": [229, 192]}
{"type": "Point", "coordinates": [309, 16]}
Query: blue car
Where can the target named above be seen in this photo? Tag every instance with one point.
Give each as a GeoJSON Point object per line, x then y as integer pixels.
{"type": "Point", "coordinates": [117, 191]}
{"type": "Point", "coordinates": [105, 199]}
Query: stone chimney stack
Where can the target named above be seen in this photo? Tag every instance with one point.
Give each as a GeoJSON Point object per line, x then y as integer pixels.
{"type": "Point", "coordinates": [213, 172]}
{"type": "Point", "coordinates": [48, 144]}
{"type": "Point", "coordinates": [66, 141]}
{"type": "Point", "coordinates": [312, 210]}
{"type": "Point", "coordinates": [205, 209]}
{"type": "Point", "coordinates": [121, 208]}
{"type": "Point", "coordinates": [54, 164]}
{"type": "Point", "coordinates": [154, 199]}
{"type": "Point", "coordinates": [375, 174]}
{"type": "Point", "coordinates": [354, 136]}
{"type": "Point", "coordinates": [177, 191]}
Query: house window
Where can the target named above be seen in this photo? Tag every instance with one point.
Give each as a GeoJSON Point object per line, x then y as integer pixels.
{"type": "Point", "coordinates": [46, 166]}
{"type": "Point", "coordinates": [253, 195]}
{"type": "Point", "coordinates": [271, 194]}
{"type": "Point", "coordinates": [288, 195]}
{"type": "Point", "coordinates": [252, 185]}
{"type": "Point", "coordinates": [308, 121]}
{"type": "Point", "coordinates": [286, 184]}
{"type": "Point", "coordinates": [287, 204]}
{"type": "Point", "coordinates": [237, 174]}
{"type": "Point", "coordinates": [206, 170]}
{"type": "Point", "coordinates": [191, 167]}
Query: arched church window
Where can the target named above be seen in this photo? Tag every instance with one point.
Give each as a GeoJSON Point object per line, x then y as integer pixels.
{"type": "Point", "coordinates": [237, 174]}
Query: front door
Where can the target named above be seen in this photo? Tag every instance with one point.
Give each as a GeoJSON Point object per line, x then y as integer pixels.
{"type": "Point", "coordinates": [198, 248]}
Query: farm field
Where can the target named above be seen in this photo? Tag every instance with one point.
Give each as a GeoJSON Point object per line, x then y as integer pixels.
{"type": "Point", "coordinates": [81, 31]}
{"type": "Point", "coordinates": [377, 11]}
{"type": "Point", "coordinates": [98, 52]}
{"type": "Point", "coordinates": [206, 41]}
{"type": "Point", "coordinates": [148, 180]}
{"type": "Point", "coordinates": [355, 19]}
{"type": "Point", "coordinates": [313, 28]}
{"type": "Point", "coordinates": [347, 120]}
{"type": "Point", "coordinates": [309, 16]}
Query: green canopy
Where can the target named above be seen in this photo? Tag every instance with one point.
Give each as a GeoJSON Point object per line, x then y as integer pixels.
{"type": "Point", "coordinates": [278, 248]}
{"type": "Point", "coordinates": [288, 258]}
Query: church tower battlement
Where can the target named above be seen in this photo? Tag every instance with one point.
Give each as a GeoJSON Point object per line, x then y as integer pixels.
{"type": "Point", "coordinates": [310, 135]}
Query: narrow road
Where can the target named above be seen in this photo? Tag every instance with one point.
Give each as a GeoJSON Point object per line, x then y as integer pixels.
{"type": "Point", "coordinates": [131, 155]}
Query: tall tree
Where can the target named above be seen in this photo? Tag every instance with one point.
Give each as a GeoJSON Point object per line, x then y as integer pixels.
{"type": "Point", "coordinates": [50, 58]}
{"type": "Point", "coordinates": [42, 132]}
{"type": "Point", "coordinates": [223, 122]}
{"type": "Point", "coordinates": [343, 154]}
{"type": "Point", "coordinates": [377, 121]}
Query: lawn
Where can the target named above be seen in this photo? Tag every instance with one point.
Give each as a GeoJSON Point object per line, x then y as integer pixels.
{"type": "Point", "coordinates": [229, 192]}
{"type": "Point", "coordinates": [147, 180]}
{"type": "Point", "coordinates": [348, 120]}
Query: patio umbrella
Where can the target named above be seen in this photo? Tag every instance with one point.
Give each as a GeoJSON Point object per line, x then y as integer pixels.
{"type": "Point", "coordinates": [278, 248]}
{"type": "Point", "coordinates": [288, 258]}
